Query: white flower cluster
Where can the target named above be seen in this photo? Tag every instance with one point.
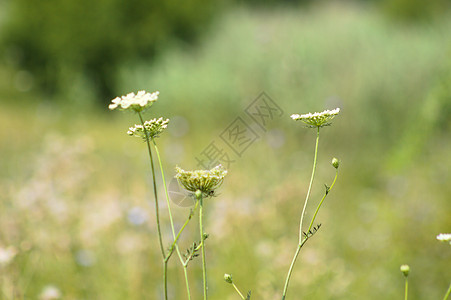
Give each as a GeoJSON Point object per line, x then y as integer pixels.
{"type": "Point", "coordinates": [137, 102]}
{"type": "Point", "coordinates": [205, 181]}
{"type": "Point", "coordinates": [50, 292]}
{"type": "Point", "coordinates": [151, 128]}
{"type": "Point", "coordinates": [444, 237]}
{"type": "Point", "coordinates": [318, 119]}
{"type": "Point", "coordinates": [7, 255]}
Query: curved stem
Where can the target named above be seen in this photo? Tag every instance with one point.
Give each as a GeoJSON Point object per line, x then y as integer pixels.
{"type": "Point", "coordinates": [310, 186]}
{"type": "Point", "coordinates": [202, 243]}
{"type": "Point", "coordinates": [302, 242]}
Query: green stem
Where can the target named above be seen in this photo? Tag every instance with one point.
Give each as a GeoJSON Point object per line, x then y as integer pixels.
{"type": "Point", "coordinates": [185, 272]}
{"type": "Point", "coordinates": [201, 228]}
{"type": "Point", "coordinates": [321, 202]}
{"type": "Point", "coordinates": [310, 186]}
{"type": "Point", "coordinates": [302, 242]}
{"type": "Point", "coordinates": [157, 209]}
{"type": "Point", "coordinates": [175, 237]}
{"type": "Point", "coordinates": [165, 278]}
{"type": "Point", "coordinates": [447, 292]}
{"type": "Point", "coordinates": [238, 291]}
{"type": "Point", "coordinates": [406, 288]}
{"type": "Point", "coordinates": [295, 257]}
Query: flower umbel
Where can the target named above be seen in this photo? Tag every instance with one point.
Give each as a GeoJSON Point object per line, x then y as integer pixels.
{"type": "Point", "coordinates": [205, 181]}
{"type": "Point", "coordinates": [137, 102]}
{"type": "Point", "coordinates": [444, 237]}
{"type": "Point", "coordinates": [153, 128]}
{"type": "Point", "coordinates": [318, 119]}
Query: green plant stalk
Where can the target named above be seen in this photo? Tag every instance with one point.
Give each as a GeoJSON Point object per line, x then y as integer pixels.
{"type": "Point", "coordinates": [306, 238]}
{"type": "Point", "coordinates": [238, 291]}
{"type": "Point", "coordinates": [310, 185]}
{"type": "Point", "coordinates": [176, 237]}
{"type": "Point", "coordinates": [321, 202]}
{"type": "Point", "coordinates": [448, 292]}
{"type": "Point", "coordinates": [406, 289]}
{"type": "Point", "coordinates": [157, 210]}
{"type": "Point", "coordinates": [201, 228]}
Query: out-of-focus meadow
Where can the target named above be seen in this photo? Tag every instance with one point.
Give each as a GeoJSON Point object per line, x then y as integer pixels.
{"type": "Point", "coordinates": [76, 204]}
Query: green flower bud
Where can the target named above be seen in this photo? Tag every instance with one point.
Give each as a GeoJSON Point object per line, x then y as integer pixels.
{"type": "Point", "coordinates": [405, 269]}
{"type": "Point", "coordinates": [198, 194]}
{"type": "Point", "coordinates": [228, 278]}
{"type": "Point", "coordinates": [335, 162]}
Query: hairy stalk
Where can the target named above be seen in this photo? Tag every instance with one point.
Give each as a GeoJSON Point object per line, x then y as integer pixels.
{"type": "Point", "coordinates": [448, 292]}
{"type": "Point", "coordinates": [174, 245]}
{"type": "Point", "coordinates": [202, 243]}
{"type": "Point", "coordinates": [157, 209]}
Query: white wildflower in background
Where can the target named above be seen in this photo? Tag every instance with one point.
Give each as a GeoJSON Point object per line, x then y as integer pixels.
{"type": "Point", "coordinates": [205, 181]}
{"type": "Point", "coordinates": [444, 237]}
{"type": "Point", "coordinates": [7, 255]}
{"type": "Point", "coordinates": [318, 119]}
{"type": "Point", "coordinates": [137, 102]}
{"type": "Point", "coordinates": [50, 292]}
{"type": "Point", "coordinates": [153, 128]}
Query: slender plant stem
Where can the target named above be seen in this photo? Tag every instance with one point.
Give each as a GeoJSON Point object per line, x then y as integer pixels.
{"type": "Point", "coordinates": [295, 257]}
{"type": "Point", "coordinates": [176, 237]}
{"type": "Point", "coordinates": [238, 291]}
{"type": "Point", "coordinates": [202, 243]}
{"type": "Point", "coordinates": [157, 209]}
{"type": "Point", "coordinates": [301, 241]}
{"type": "Point", "coordinates": [321, 202]}
{"type": "Point", "coordinates": [447, 292]}
{"type": "Point", "coordinates": [406, 289]}
{"type": "Point", "coordinates": [310, 186]}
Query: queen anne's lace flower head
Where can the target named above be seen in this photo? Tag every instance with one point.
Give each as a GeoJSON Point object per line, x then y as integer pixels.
{"type": "Point", "coordinates": [444, 237]}
{"type": "Point", "coordinates": [137, 102]}
{"type": "Point", "coordinates": [318, 119]}
{"type": "Point", "coordinates": [152, 128]}
{"type": "Point", "coordinates": [206, 181]}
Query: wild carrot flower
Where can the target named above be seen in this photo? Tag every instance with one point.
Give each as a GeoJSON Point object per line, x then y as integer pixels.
{"type": "Point", "coordinates": [444, 237]}
{"type": "Point", "coordinates": [206, 181]}
{"type": "Point", "coordinates": [153, 128]}
{"type": "Point", "coordinates": [137, 102]}
{"type": "Point", "coordinates": [318, 119]}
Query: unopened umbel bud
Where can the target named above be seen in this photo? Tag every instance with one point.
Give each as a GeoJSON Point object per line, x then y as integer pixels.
{"type": "Point", "coordinates": [335, 162]}
{"type": "Point", "coordinates": [405, 270]}
{"type": "Point", "coordinates": [228, 278]}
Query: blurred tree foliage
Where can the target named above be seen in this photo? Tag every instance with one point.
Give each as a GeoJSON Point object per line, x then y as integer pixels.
{"type": "Point", "coordinates": [59, 41]}
{"type": "Point", "coordinates": [79, 44]}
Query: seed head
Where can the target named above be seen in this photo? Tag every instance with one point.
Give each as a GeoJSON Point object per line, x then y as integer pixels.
{"type": "Point", "coordinates": [205, 181]}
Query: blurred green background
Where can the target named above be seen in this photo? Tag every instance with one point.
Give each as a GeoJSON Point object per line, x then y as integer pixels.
{"type": "Point", "coordinates": [76, 195]}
